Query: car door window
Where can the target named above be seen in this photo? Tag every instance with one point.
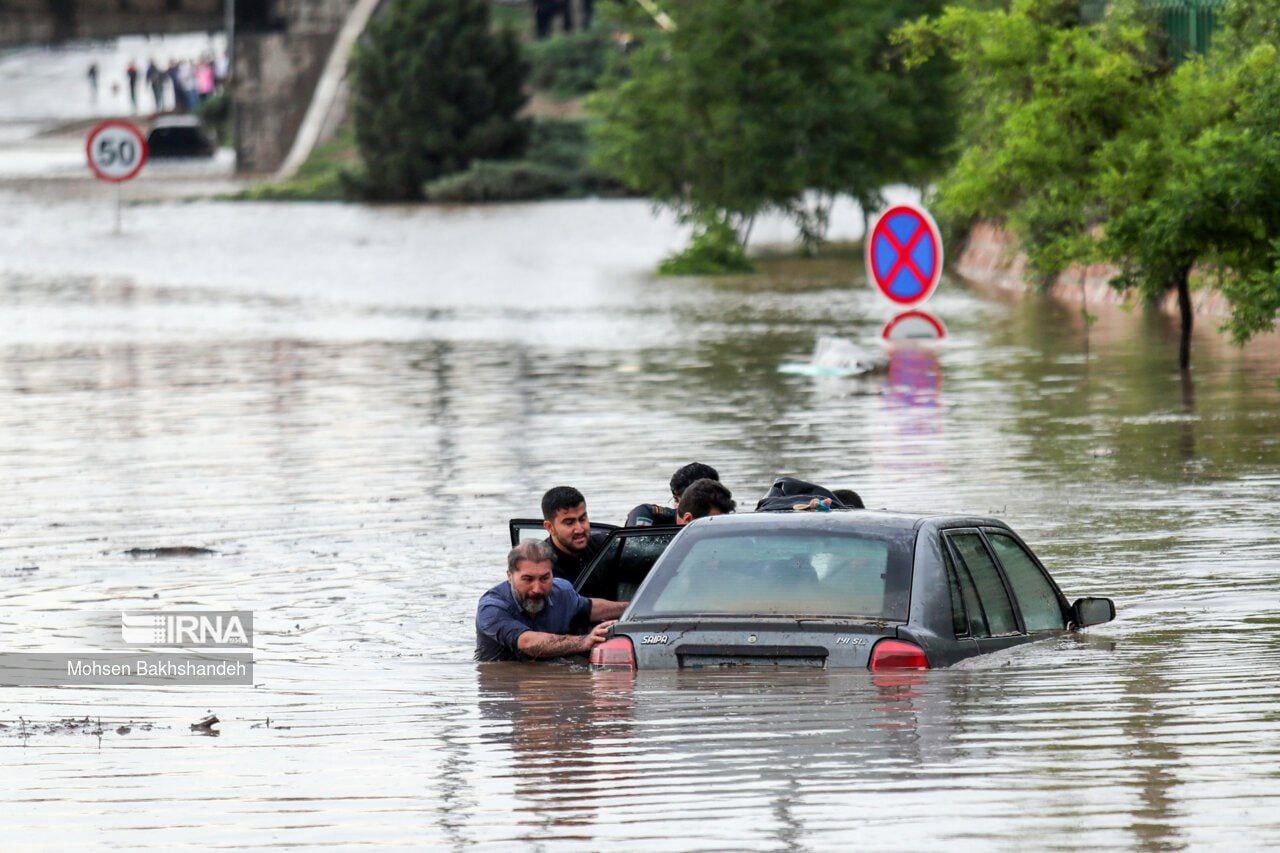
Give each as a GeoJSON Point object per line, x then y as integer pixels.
{"type": "Point", "coordinates": [624, 562]}
{"type": "Point", "coordinates": [1037, 600]}
{"type": "Point", "coordinates": [986, 579]}
{"type": "Point", "coordinates": [524, 529]}
{"type": "Point", "coordinates": [966, 612]}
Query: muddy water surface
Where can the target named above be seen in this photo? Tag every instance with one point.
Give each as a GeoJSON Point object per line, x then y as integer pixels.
{"type": "Point", "coordinates": [347, 404]}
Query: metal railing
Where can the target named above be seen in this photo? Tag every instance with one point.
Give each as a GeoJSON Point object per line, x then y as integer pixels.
{"type": "Point", "coordinates": [1189, 23]}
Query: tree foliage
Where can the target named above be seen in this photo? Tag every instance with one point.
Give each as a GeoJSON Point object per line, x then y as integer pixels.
{"type": "Point", "coordinates": [1042, 95]}
{"type": "Point", "coordinates": [1091, 146]}
{"type": "Point", "coordinates": [750, 105]}
{"type": "Point", "coordinates": [435, 88]}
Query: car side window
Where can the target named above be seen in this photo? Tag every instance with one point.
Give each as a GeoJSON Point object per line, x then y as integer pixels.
{"type": "Point", "coordinates": [621, 567]}
{"type": "Point", "coordinates": [986, 578]}
{"type": "Point", "coordinates": [966, 612]}
{"type": "Point", "coordinates": [1041, 609]}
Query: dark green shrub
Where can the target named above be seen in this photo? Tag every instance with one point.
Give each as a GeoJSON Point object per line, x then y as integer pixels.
{"type": "Point", "coordinates": [502, 180]}
{"type": "Point", "coordinates": [215, 114]}
{"type": "Point", "coordinates": [569, 65]}
{"type": "Point", "coordinates": [714, 250]}
{"type": "Point", "coordinates": [435, 88]}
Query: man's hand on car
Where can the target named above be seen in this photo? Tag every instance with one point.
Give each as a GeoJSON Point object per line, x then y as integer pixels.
{"type": "Point", "coordinates": [597, 635]}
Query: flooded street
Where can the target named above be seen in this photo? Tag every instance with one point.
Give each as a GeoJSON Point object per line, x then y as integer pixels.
{"type": "Point", "coordinates": [347, 403]}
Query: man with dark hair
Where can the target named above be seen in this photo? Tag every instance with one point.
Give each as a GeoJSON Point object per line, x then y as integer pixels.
{"type": "Point", "coordinates": [703, 498]}
{"type": "Point", "coordinates": [573, 545]}
{"type": "Point", "coordinates": [646, 515]}
{"type": "Point", "coordinates": [849, 498]}
{"type": "Point", "coordinates": [535, 615]}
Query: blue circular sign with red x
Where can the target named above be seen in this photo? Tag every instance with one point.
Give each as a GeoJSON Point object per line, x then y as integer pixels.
{"type": "Point", "coordinates": [904, 254]}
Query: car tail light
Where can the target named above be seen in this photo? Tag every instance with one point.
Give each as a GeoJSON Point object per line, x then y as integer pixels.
{"type": "Point", "coordinates": [617, 653]}
{"type": "Point", "coordinates": [896, 654]}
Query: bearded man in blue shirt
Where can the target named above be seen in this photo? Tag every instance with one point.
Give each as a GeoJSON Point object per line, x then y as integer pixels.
{"type": "Point", "coordinates": [535, 615]}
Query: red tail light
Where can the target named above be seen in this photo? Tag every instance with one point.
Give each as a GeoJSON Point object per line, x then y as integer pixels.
{"type": "Point", "coordinates": [896, 654]}
{"type": "Point", "coordinates": [617, 653]}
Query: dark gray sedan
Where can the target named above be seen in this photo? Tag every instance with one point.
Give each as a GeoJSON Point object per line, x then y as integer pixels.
{"type": "Point", "coordinates": [875, 590]}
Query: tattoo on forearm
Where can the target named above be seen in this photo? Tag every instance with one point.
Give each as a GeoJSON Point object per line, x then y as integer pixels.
{"type": "Point", "coordinates": [536, 644]}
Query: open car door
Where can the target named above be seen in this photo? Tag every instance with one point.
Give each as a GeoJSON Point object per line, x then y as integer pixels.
{"type": "Point", "coordinates": [524, 529]}
{"type": "Point", "coordinates": [624, 562]}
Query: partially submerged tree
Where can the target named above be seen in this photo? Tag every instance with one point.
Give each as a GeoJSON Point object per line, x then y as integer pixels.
{"type": "Point", "coordinates": [763, 104]}
{"type": "Point", "coordinates": [1195, 185]}
{"type": "Point", "coordinates": [1089, 146]}
{"type": "Point", "coordinates": [435, 88]}
{"type": "Point", "coordinates": [1042, 94]}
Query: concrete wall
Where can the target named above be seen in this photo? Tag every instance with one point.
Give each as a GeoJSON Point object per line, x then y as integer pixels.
{"type": "Point", "coordinates": [275, 75]}
{"type": "Point", "coordinates": [992, 257]}
{"type": "Point", "coordinates": [42, 21]}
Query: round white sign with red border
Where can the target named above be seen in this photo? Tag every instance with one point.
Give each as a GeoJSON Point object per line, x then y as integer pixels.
{"type": "Point", "coordinates": [904, 254]}
{"type": "Point", "coordinates": [914, 326]}
{"type": "Point", "coordinates": [116, 151]}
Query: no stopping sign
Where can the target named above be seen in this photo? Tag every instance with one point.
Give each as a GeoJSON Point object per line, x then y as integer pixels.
{"type": "Point", "coordinates": [116, 151]}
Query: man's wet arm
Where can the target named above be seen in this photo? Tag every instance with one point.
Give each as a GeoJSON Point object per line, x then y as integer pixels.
{"type": "Point", "coordinates": [603, 610]}
{"type": "Point", "coordinates": [538, 644]}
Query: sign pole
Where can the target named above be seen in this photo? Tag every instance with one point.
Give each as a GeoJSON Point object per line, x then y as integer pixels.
{"type": "Point", "coordinates": [116, 151]}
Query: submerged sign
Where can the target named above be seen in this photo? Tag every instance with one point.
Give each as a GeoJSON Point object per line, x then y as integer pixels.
{"type": "Point", "coordinates": [904, 254]}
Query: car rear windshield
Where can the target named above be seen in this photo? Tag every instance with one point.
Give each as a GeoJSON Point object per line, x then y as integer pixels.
{"type": "Point", "coordinates": [781, 573]}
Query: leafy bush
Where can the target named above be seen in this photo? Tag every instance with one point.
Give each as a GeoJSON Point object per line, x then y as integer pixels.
{"type": "Point", "coordinates": [569, 65]}
{"type": "Point", "coordinates": [215, 114]}
{"type": "Point", "coordinates": [500, 180]}
{"type": "Point", "coordinates": [714, 250]}
{"type": "Point", "coordinates": [435, 88]}
{"type": "Point", "coordinates": [556, 166]}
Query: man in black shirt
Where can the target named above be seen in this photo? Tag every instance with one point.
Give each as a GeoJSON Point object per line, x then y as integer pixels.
{"type": "Point", "coordinates": [573, 545]}
{"type": "Point", "coordinates": [646, 515]}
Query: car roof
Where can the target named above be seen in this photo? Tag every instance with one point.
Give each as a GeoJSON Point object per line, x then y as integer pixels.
{"type": "Point", "coordinates": [165, 122]}
{"type": "Point", "coordinates": [847, 520]}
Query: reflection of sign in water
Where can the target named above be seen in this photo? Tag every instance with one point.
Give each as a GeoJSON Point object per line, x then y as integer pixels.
{"type": "Point", "coordinates": [116, 151]}
{"type": "Point", "coordinates": [914, 326]}
{"type": "Point", "coordinates": [904, 254]}
{"type": "Point", "coordinates": [915, 377]}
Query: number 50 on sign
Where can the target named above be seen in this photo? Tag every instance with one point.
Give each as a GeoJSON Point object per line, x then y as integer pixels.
{"type": "Point", "coordinates": [116, 151]}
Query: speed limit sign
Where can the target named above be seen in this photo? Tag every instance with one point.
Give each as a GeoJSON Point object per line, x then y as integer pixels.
{"type": "Point", "coordinates": [116, 150]}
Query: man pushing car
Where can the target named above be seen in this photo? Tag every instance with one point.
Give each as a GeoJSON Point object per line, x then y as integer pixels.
{"type": "Point", "coordinates": [534, 614]}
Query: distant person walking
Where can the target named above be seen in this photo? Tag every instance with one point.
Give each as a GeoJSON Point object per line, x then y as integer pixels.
{"type": "Point", "coordinates": [93, 81]}
{"type": "Point", "coordinates": [132, 73]}
{"type": "Point", "coordinates": [188, 77]}
{"type": "Point", "coordinates": [205, 80]}
{"type": "Point", "coordinates": [175, 82]}
{"type": "Point", "coordinates": [155, 79]}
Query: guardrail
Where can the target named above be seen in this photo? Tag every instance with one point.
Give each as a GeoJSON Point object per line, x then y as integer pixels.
{"type": "Point", "coordinates": [1189, 23]}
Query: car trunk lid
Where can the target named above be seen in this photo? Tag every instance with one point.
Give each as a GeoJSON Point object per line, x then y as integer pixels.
{"type": "Point", "coordinates": [779, 643]}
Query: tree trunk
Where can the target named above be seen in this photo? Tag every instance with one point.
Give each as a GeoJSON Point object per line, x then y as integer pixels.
{"type": "Point", "coordinates": [1184, 309]}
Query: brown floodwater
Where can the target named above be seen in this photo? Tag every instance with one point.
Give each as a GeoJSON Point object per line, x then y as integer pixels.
{"type": "Point", "coordinates": [347, 403]}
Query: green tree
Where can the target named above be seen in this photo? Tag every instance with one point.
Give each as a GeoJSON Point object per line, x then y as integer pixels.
{"type": "Point", "coordinates": [1042, 96]}
{"type": "Point", "coordinates": [757, 104]}
{"type": "Point", "coordinates": [435, 88]}
{"type": "Point", "coordinates": [1195, 185]}
{"type": "Point", "coordinates": [1086, 142]}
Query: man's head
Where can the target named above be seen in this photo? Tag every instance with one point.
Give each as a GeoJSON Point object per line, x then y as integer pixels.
{"type": "Point", "coordinates": [702, 498]}
{"type": "Point", "coordinates": [849, 498]}
{"type": "Point", "coordinates": [564, 515]}
{"type": "Point", "coordinates": [686, 475]}
{"type": "Point", "coordinates": [529, 573]}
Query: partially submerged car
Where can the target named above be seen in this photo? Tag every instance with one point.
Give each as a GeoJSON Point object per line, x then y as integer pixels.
{"type": "Point", "coordinates": [876, 590]}
{"type": "Point", "coordinates": [179, 136]}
